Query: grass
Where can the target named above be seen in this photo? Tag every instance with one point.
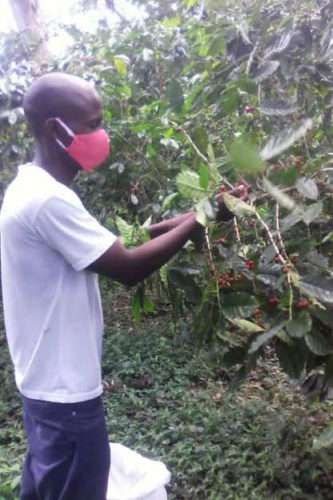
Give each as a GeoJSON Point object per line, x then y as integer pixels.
{"type": "Point", "coordinates": [170, 402]}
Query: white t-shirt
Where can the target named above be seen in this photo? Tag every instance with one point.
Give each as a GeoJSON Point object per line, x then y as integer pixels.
{"type": "Point", "coordinates": [52, 305]}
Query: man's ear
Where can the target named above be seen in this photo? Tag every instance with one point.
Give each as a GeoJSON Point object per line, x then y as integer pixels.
{"type": "Point", "coordinates": [55, 130]}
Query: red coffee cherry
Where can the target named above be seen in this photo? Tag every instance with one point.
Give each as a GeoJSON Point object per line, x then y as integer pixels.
{"type": "Point", "coordinates": [249, 109]}
{"type": "Point", "coordinates": [273, 301]}
{"type": "Point", "coordinates": [250, 264]}
{"type": "Point", "coordinates": [302, 303]}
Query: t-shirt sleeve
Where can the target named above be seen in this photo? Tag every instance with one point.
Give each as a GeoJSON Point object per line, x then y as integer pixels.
{"type": "Point", "coordinates": [66, 226]}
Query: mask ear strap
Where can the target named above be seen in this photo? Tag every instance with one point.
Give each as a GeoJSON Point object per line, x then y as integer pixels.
{"type": "Point", "coordinates": [68, 130]}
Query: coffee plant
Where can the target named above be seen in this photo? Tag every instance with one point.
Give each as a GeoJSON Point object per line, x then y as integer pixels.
{"type": "Point", "coordinates": [198, 98]}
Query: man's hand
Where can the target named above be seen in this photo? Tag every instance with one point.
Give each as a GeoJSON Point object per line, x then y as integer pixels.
{"type": "Point", "coordinates": [240, 191]}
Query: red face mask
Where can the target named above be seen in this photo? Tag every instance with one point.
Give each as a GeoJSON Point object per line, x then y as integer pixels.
{"type": "Point", "coordinates": [89, 150]}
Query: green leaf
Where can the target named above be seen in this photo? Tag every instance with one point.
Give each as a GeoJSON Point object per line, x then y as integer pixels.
{"type": "Point", "coordinates": [169, 199]}
{"type": "Point", "coordinates": [283, 140]}
{"type": "Point", "coordinates": [300, 325]}
{"type": "Point", "coordinates": [201, 139]}
{"type": "Point", "coordinates": [307, 187]}
{"type": "Point", "coordinates": [246, 158]}
{"type": "Point", "coordinates": [312, 212]}
{"type": "Point", "coordinates": [120, 63]}
{"type": "Point", "coordinates": [291, 358]}
{"type": "Point", "coordinates": [277, 107]}
{"type": "Point", "coordinates": [174, 94]}
{"type": "Point", "coordinates": [318, 344]}
{"type": "Point", "coordinates": [325, 439]}
{"type": "Point", "coordinates": [190, 3]}
{"type": "Point", "coordinates": [245, 325]}
{"type": "Point", "coordinates": [238, 305]}
{"type": "Point", "coordinates": [318, 287]}
{"type": "Point", "coordinates": [217, 45]}
{"type": "Point", "coordinates": [148, 304]}
{"type": "Point", "coordinates": [187, 283]}
{"type": "Point", "coordinates": [126, 231]}
{"type": "Point", "coordinates": [265, 337]}
{"type": "Point", "coordinates": [172, 22]}
{"type": "Point", "coordinates": [204, 176]}
{"type": "Point", "coordinates": [164, 274]}
{"type": "Point", "coordinates": [188, 184]}
{"type": "Point", "coordinates": [265, 70]}
{"type": "Point", "coordinates": [282, 198]}
{"type": "Point", "coordinates": [237, 206]}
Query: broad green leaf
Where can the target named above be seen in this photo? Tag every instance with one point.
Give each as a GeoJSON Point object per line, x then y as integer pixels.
{"type": "Point", "coordinates": [148, 304]}
{"type": "Point", "coordinates": [190, 3]}
{"type": "Point", "coordinates": [174, 94]}
{"type": "Point", "coordinates": [120, 64]}
{"type": "Point", "coordinates": [318, 344]}
{"type": "Point", "coordinates": [245, 325]}
{"type": "Point", "coordinates": [325, 440]}
{"type": "Point", "coordinates": [291, 358]}
{"type": "Point", "coordinates": [283, 140]}
{"type": "Point", "coordinates": [187, 283]}
{"type": "Point", "coordinates": [265, 70]}
{"type": "Point", "coordinates": [263, 338]}
{"type": "Point", "coordinates": [126, 231]}
{"type": "Point", "coordinates": [237, 206]}
{"type": "Point", "coordinates": [299, 325]}
{"type": "Point", "coordinates": [217, 45]}
{"type": "Point", "coordinates": [164, 274]}
{"type": "Point", "coordinates": [188, 184]}
{"type": "Point", "coordinates": [312, 212]}
{"type": "Point", "coordinates": [238, 305]}
{"type": "Point", "coordinates": [288, 222]}
{"type": "Point", "coordinates": [279, 45]}
{"type": "Point", "coordinates": [246, 158]}
{"type": "Point", "coordinates": [204, 176]}
{"type": "Point", "coordinates": [201, 139]}
{"type": "Point", "coordinates": [307, 187]}
{"type": "Point", "coordinates": [169, 199]}
{"type": "Point", "coordinates": [318, 287]}
{"type": "Point", "coordinates": [282, 198]}
{"type": "Point", "coordinates": [172, 22]}
{"type": "Point", "coordinates": [277, 107]}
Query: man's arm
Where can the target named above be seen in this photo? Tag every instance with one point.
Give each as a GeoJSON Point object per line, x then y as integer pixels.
{"type": "Point", "coordinates": [130, 266]}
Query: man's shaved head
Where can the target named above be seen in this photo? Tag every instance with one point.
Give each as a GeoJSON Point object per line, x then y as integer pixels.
{"type": "Point", "coordinates": [59, 95]}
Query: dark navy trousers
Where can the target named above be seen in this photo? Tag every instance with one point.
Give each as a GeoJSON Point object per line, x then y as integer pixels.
{"type": "Point", "coordinates": [68, 454]}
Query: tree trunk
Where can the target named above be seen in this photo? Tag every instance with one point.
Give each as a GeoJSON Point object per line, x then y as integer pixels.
{"type": "Point", "coordinates": [25, 13]}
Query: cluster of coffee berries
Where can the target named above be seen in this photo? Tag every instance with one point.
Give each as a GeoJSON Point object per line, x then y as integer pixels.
{"type": "Point", "coordinates": [229, 277]}
{"type": "Point", "coordinates": [250, 264]}
{"type": "Point", "coordinates": [257, 315]}
{"type": "Point", "coordinates": [301, 303]}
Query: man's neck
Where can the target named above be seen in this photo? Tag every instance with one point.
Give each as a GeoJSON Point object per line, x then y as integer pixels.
{"type": "Point", "coordinates": [62, 169]}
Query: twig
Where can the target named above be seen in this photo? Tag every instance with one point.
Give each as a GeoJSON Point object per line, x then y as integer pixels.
{"type": "Point", "coordinates": [282, 245]}
{"type": "Point", "coordinates": [270, 237]}
{"type": "Point", "coordinates": [197, 150]}
{"type": "Point", "coordinates": [212, 267]}
{"type": "Point", "coordinates": [307, 149]}
{"type": "Point", "coordinates": [250, 61]}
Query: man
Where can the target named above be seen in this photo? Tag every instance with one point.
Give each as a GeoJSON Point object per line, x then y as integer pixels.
{"type": "Point", "coordinates": [52, 250]}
